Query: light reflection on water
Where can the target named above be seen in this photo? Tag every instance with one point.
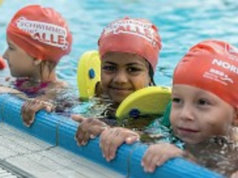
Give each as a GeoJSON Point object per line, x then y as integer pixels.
{"type": "Point", "coordinates": [218, 154]}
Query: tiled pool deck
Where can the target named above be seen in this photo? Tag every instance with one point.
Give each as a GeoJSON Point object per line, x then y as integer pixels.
{"type": "Point", "coordinates": [41, 159]}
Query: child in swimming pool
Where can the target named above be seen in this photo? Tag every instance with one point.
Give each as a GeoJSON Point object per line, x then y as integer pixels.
{"type": "Point", "coordinates": [210, 97]}
{"type": "Point", "coordinates": [37, 38]}
{"type": "Point", "coordinates": [129, 49]}
{"type": "Point", "coordinates": [204, 100]}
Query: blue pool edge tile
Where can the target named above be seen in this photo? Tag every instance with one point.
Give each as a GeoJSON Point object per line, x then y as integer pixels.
{"type": "Point", "coordinates": [59, 130]}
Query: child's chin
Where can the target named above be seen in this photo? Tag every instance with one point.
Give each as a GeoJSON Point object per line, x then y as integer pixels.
{"type": "Point", "coordinates": [14, 74]}
{"type": "Point", "coordinates": [118, 99]}
{"type": "Point", "coordinates": [17, 75]}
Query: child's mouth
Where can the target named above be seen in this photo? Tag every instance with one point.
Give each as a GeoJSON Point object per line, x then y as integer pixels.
{"type": "Point", "coordinates": [120, 89]}
{"type": "Point", "coordinates": [187, 130]}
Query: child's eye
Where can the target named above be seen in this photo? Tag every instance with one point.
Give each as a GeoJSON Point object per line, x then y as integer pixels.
{"type": "Point", "coordinates": [11, 48]}
{"type": "Point", "coordinates": [109, 68]}
{"type": "Point", "coordinates": [133, 69]}
{"type": "Point", "coordinates": [176, 100]}
{"type": "Point", "coordinates": [203, 102]}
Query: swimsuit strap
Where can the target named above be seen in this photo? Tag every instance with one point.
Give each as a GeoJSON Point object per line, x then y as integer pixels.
{"type": "Point", "coordinates": [30, 90]}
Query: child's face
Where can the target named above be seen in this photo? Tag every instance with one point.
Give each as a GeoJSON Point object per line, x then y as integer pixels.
{"type": "Point", "coordinates": [197, 115]}
{"type": "Point", "coordinates": [122, 74]}
{"type": "Point", "coordinates": [20, 63]}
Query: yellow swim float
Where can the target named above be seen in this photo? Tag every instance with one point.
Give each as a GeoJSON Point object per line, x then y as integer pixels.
{"type": "Point", "coordinates": [149, 100]}
{"type": "Point", "coordinates": [88, 74]}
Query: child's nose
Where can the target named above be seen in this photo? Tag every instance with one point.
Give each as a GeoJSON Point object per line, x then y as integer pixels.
{"type": "Point", "coordinates": [187, 113]}
{"type": "Point", "coordinates": [5, 55]}
{"type": "Point", "coordinates": [121, 77]}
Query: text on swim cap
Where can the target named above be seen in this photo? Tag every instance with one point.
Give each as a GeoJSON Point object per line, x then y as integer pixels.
{"type": "Point", "coordinates": [133, 27]}
{"type": "Point", "coordinates": [49, 34]}
{"type": "Point", "coordinates": [225, 65]}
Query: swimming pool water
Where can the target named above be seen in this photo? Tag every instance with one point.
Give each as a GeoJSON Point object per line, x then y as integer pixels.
{"type": "Point", "coordinates": [181, 25]}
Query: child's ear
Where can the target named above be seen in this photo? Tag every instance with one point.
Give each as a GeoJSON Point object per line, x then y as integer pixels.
{"type": "Point", "coordinates": [235, 119]}
{"type": "Point", "coordinates": [37, 61]}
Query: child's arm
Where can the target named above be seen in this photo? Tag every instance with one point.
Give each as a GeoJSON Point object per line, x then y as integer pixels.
{"type": "Point", "coordinates": [31, 106]}
{"type": "Point", "coordinates": [234, 175]}
{"type": "Point", "coordinates": [158, 154]}
{"type": "Point", "coordinates": [112, 138]}
{"type": "Point", "coordinates": [88, 129]}
{"type": "Point", "coordinates": [4, 89]}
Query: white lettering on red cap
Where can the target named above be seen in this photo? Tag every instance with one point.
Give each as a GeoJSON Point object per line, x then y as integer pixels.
{"type": "Point", "coordinates": [133, 27]}
{"type": "Point", "coordinates": [50, 34]}
{"type": "Point", "coordinates": [218, 76]}
{"type": "Point", "coordinates": [225, 65]}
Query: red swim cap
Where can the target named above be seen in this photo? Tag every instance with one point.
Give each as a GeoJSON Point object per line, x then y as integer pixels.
{"type": "Point", "coordinates": [212, 66]}
{"type": "Point", "coordinates": [41, 32]}
{"type": "Point", "coordinates": [129, 35]}
{"type": "Point", "coordinates": [2, 63]}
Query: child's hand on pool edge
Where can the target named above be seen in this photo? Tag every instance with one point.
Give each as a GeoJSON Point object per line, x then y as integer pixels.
{"type": "Point", "coordinates": [158, 154]}
{"type": "Point", "coordinates": [112, 138]}
{"type": "Point", "coordinates": [31, 106]}
{"type": "Point", "coordinates": [88, 129]}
